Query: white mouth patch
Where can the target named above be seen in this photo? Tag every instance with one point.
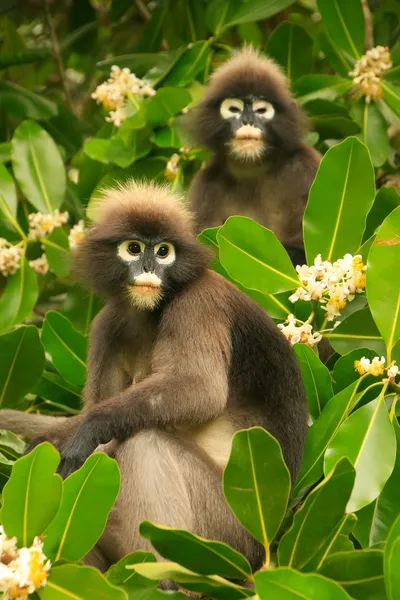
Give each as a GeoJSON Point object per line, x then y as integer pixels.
{"type": "Point", "coordinates": [148, 280]}
{"type": "Point", "coordinates": [248, 132]}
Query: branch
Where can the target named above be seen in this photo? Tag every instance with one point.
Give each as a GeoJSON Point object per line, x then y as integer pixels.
{"type": "Point", "coordinates": [369, 32]}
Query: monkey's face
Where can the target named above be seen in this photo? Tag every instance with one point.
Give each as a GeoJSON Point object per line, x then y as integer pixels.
{"type": "Point", "coordinates": [247, 122]}
{"type": "Point", "coordinates": [147, 263]}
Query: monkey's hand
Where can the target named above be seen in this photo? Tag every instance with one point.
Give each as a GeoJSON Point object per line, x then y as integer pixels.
{"type": "Point", "coordinates": [91, 432]}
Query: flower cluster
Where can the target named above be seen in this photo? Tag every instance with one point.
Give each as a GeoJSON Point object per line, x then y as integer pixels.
{"type": "Point", "coordinates": [22, 570]}
{"type": "Point", "coordinates": [331, 284]}
{"type": "Point", "coordinates": [40, 265]}
{"type": "Point", "coordinates": [299, 334]}
{"type": "Point", "coordinates": [368, 71]}
{"type": "Point", "coordinates": [114, 92]}
{"type": "Point", "coordinates": [77, 234]}
{"type": "Point", "coordinates": [172, 168]}
{"type": "Point", "coordinates": [41, 225]}
{"type": "Point", "coordinates": [10, 258]}
{"type": "Point", "coordinates": [376, 367]}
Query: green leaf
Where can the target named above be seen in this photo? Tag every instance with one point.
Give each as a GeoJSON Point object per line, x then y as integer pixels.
{"type": "Point", "coordinates": [33, 150]}
{"type": "Point", "coordinates": [287, 584]}
{"type": "Point", "coordinates": [340, 199]}
{"type": "Point", "coordinates": [256, 483]}
{"type": "Point", "coordinates": [166, 103]}
{"type": "Point", "coordinates": [81, 307]}
{"type": "Point", "coordinates": [337, 541]}
{"type": "Point", "coordinates": [198, 554]}
{"type": "Point", "coordinates": [210, 585]}
{"type": "Point", "coordinates": [376, 519]}
{"type": "Point", "coordinates": [357, 331]}
{"type": "Point", "coordinates": [23, 103]}
{"type": "Point", "coordinates": [391, 94]}
{"type": "Point", "coordinates": [19, 296]}
{"type": "Point", "coordinates": [374, 130]}
{"type": "Point", "coordinates": [359, 572]}
{"type": "Point", "coordinates": [328, 87]}
{"type": "Point", "coordinates": [32, 495]}
{"type": "Point", "coordinates": [367, 439]}
{"type": "Point", "coordinates": [291, 46]}
{"type": "Point", "coordinates": [78, 582]}
{"type": "Point", "coordinates": [334, 127]}
{"type": "Point", "coordinates": [167, 137]}
{"type": "Point", "coordinates": [344, 22]}
{"type": "Point", "coordinates": [316, 378]}
{"type": "Point", "coordinates": [21, 364]}
{"type": "Point", "coordinates": [258, 10]}
{"type": "Point", "coordinates": [340, 63]}
{"type": "Point", "coordinates": [320, 435]}
{"type": "Point", "coordinates": [97, 149]}
{"type": "Point", "coordinates": [253, 256]}
{"type": "Point", "coordinates": [11, 445]}
{"type": "Point", "coordinates": [66, 346]}
{"type": "Point", "coordinates": [344, 372]}
{"type": "Point", "coordinates": [79, 521]}
{"type": "Point", "coordinates": [54, 390]}
{"type": "Point", "coordinates": [386, 200]}
{"type": "Point", "coordinates": [390, 561]}
{"type": "Point", "coordinates": [5, 152]}
{"type": "Point", "coordinates": [128, 578]}
{"type": "Point", "coordinates": [57, 251]}
{"type": "Point", "coordinates": [192, 62]}
{"type": "Point", "coordinates": [383, 290]}
{"type": "Point", "coordinates": [8, 199]}
{"type": "Point", "coordinates": [313, 523]}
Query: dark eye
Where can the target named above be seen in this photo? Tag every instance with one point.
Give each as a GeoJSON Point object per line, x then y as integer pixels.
{"type": "Point", "coordinates": [261, 111]}
{"type": "Point", "coordinates": [163, 251]}
{"type": "Point", "coordinates": [134, 248]}
{"type": "Point", "coordinates": [234, 109]}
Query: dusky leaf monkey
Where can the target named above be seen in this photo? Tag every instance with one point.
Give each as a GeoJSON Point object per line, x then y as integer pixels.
{"type": "Point", "coordinates": [261, 168]}
{"type": "Point", "coordinates": [179, 360]}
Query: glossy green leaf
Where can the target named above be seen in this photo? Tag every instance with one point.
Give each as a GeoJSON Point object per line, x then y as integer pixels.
{"type": "Point", "coordinates": [191, 63]}
{"type": "Point", "coordinates": [79, 521]}
{"type": "Point", "coordinates": [32, 495]}
{"type": "Point", "coordinates": [253, 256]}
{"type": "Point", "coordinates": [126, 148]}
{"type": "Point", "coordinates": [344, 22]}
{"type": "Point", "coordinates": [24, 103]}
{"type": "Point", "coordinates": [166, 103]}
{"type": "Point", "coordinates": [287, 584]}
{"type": "Point", "coordinates": [153, 33]}
{"type": "Point", "coordinates": [78, 582]}
{"type": "Point", "coordinates": [218, 13]}
{"type": "Point", "coordinates": [316, 377]}
{"type": "Point", "coordinates": [291, 46]}
{"type": "Point", "coordinates": [317, 517]}
{"type": "Point", "coordinates": [359, 572]}
{"type": "Point", "coordinates": [324, 87]}
{"type": "Point", "coordinates": [117, 574]}
{"type": "Point", "coordinates": [374, 131]}
{"type": "Point", "coordinates": [390, 561]}
{"type": "Point", "coordinates": [97, 149]}
{"type": "Point", "coordinates": [336, 58]}
{"type": "Point", "coordinates": [19, 296]}
{"type": "Point", "coordinates": [337, 541]}
{"type": "Point", "coordinates": [80, 307]}
{"type": "Point", "coordinates": [210, 585]}
{"type": "Point", "coordinates": [340, 199]}
{"type": "Point", "coordinates": [367, 439]}
{"type": "Point", "coordinates": [196, 553]}
{"type": "Point", "coordinates": [376, 519]}
{"type": "Point", "coordinates": [391, 94]}
{"type": "Point", "coordinates": [8, 198]}
{"type": "Point", "coordinates": [255, 468]}
{"type": "Point", "coordinates": [66, 346]}
{"type": "Point", "coordinates": [386, 200]}
{"type": "Point", "coordinates": [320, 435]}
{"type": "Point", "coordinates": [357, 331]}
{"type": "Point", "coordinates": [334, 127]}
{"type": "Point", "coordinates": [11, 446]}
{"type": "Point", "coordinates": [5, 152]}
{"type": "Point", "coordinates": [167, 137]}
{"type": "Point", "coordinates": [57, 251]}
{"type": "Point", "coordinates": [21, 364]}
{"type": "Point", "coordinates": [383, 290]}
{"type": "Point", "coordinates": [57, 392]}
{"type": "Point", "coordinates": [33, 150]}
{"type": "Point", "coordinates": [344, 372]}
{"type": "Point", "coordinates": [258, 10]}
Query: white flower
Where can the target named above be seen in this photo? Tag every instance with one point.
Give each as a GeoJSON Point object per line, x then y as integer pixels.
{"type": "Point", "coordinates": [41, 225]}
{"type": "Point", "coordinates": [302, 334]}
{"type": "Point", "coordinates": [375, 367]}
{"type": "Point", "coordinates": [77, 234]}
{"type": "Point", "coordinates": [10, 259]}
{"type": "Point", "coordinates": [368, 71]}
{"type": "Point", "coordinates": [114, 92]}
{"type": "Point", "coordinates": [172, 168]}
{"type": "Point", "coordinates": [40, 265]}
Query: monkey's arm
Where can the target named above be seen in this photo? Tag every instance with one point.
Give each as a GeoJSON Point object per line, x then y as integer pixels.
{"type": "Point", "coordinates": [188, 385]}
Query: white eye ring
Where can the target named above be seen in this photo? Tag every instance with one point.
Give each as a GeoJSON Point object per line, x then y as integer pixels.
{"type": "Point", "coordinates": [231, 108]}
{"type": "Point", "coordinates": [165, 260]}
{"type": "Point", "coordinates": [124, 253]}
{"type": "Point", "coordinates": [263, 109]}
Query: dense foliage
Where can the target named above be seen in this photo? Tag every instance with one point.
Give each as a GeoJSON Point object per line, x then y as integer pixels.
{"type": "Point", "coordinates": [339, 529]}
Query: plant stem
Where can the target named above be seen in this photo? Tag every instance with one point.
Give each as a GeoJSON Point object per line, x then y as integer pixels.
{"type": "Point", "coordinates": [57, 54]}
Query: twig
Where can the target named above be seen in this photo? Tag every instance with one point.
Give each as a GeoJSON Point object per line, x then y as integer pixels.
{"type": "Point", "coordinates": [369, 32]}
{"type": "Point", "coordinates": [57, 54]}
